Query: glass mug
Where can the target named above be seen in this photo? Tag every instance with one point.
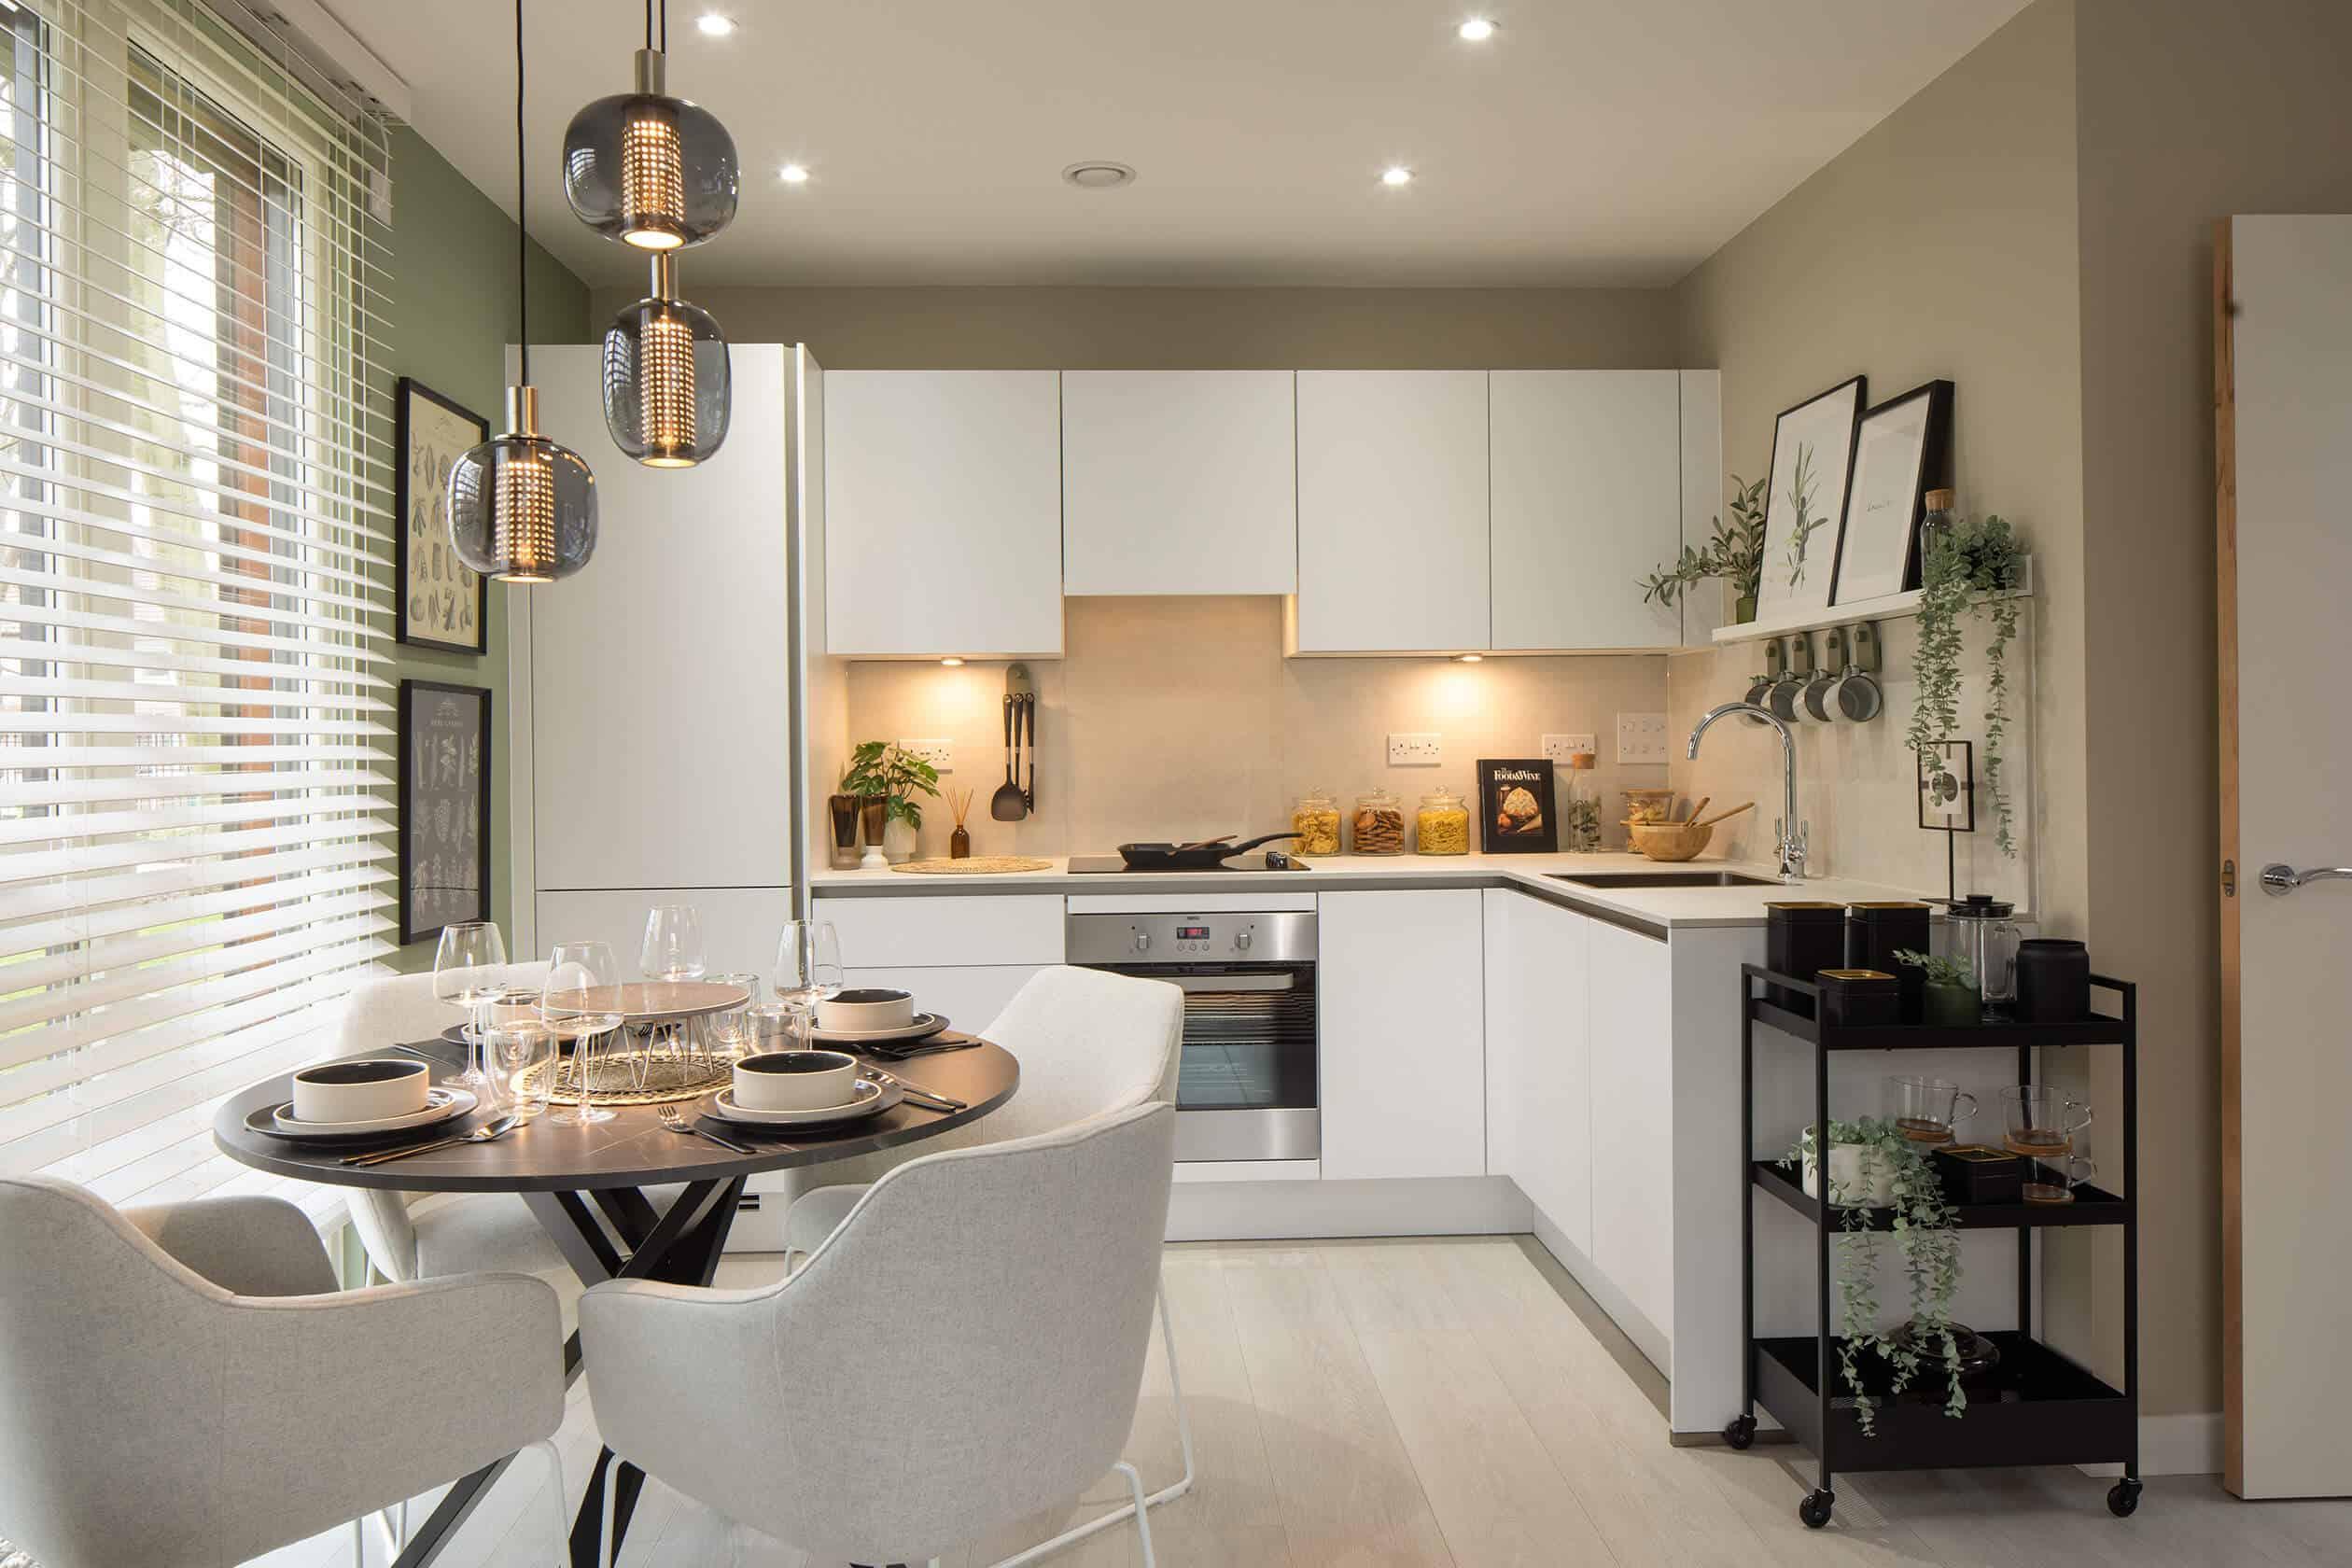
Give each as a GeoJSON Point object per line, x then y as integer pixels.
{"type": "Point", "coordinates": [1929, 1110]}
{"type": "Point", "coordinates": [2043, 1121]}
{"type": "Point", "coordinates": [522, 1060]}
{"type": "Point", "coordinates": [2071, 1171]}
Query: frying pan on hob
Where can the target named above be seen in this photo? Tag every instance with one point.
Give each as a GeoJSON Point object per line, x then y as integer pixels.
{"type": "Point", "coordinates": [1189, 857]}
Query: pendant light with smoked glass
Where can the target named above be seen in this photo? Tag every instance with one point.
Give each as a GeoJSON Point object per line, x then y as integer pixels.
{"type": "Point", "coordinates": [522, 508]}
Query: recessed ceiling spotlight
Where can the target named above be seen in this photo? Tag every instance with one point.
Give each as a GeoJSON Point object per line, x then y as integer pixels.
{"type": "Point", "coordinates": [1469, 658]}
{"type": "Point", "coordinates": [1478, 30]}
{"type": "Point", "coordinates": [952, 661]}
{"type": "Point", "coordinates": [793, 174]}
{"type": "Point", "coordinates": [1099, 173]}
{"type": "Point", "coordinates": [1396, 173]}
{"type": "Point", "coordinates": [713, 26]}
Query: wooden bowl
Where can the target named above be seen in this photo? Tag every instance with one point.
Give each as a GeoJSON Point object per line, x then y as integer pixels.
{"type": "Point", "coordinates": [1669, 841]}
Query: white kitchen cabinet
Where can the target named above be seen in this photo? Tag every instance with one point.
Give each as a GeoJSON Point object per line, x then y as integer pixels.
{"type": "Point", "coordinates": [943, 513]}
{"type": "Point", "coordinates": [1179, 482]}
{"type": "Point", "coordinates": [1709, 605]}
{"type": "Point", "coordinates": [1399, 984]}
{"type": "Point", "coordinates": [1588, 501]}
{"type": "Point", "coordinates": [1539, 1082]}
{"type": "Point", "coordinates": [740, 925]}
{"type": "Point", "coordinates": [1392, 512]}
{"type": "Point", "coordinates": [940, 931]}
{"type": "Point", "coordinates": [1631, 1016]}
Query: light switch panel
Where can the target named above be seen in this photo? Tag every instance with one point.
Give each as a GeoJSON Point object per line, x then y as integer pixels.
{"type": "Point", "coordinates": [1641, 738]}
{"type": "Point", "coordinates": [1559, 748]}
{"type": "Point", "coordinates": [1416, 750]}
{"type": "Point", "coordinates": [940, 755]}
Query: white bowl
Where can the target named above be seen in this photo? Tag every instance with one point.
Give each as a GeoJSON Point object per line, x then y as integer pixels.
{"type": "Point", "coordinates": [795, 1080]}
{"type": "Point", "coordinates": [857, 1012]}
{"type": "Point", "coordinates": [361, 1091]}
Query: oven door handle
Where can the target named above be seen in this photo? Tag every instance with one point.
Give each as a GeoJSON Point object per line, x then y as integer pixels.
{"type": "Point", "coordinates": [1231, 982]}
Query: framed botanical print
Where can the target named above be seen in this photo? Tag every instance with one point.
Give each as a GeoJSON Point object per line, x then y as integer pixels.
{"type": "Point", "coordinates": [442, 602]}
{"type": "Point", "coordinates": [1812, 458]}
{"type": "Point", "coordinates": [444, 736]}
{"type": "Point", "coordinates": [1902, 451]}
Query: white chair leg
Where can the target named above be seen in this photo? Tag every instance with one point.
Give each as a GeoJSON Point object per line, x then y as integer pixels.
{"type": "Point", "coordinates": [1142, 1509]}
{"type": "Point", "coordinates": [557, 1518]}
{"type": "Point", "coordinates": [359, 1544]}
{"type": "Point", "coordinates": [392, 1539]}
{"type": "Point", "coordinates": [1166, 1494]}
{"type": "Point", "coordinates": [611, 1501]}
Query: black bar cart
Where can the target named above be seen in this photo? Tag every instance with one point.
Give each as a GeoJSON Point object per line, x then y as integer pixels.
{"type": "Point", "coordinates": [2040, 1408]}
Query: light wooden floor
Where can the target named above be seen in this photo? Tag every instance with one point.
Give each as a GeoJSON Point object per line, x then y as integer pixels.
{"type": "Point", "coordinates": [1459, 1402]}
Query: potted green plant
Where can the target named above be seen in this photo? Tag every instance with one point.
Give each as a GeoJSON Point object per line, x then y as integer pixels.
{"type": "Point", "coordinates": [1950, 998]}
{"type": "Point", "coordinates": [1735, 555]}
{"type": "Point", "coordinates": [1889, 1166]}
{"type": "Point", "coordinates": [880, 771]}
{"type": "Point", "coordinates": [1972, 564]}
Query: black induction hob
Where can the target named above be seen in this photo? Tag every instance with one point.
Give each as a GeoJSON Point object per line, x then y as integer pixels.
{"type": "Point", "coordinates": [1111, 865]}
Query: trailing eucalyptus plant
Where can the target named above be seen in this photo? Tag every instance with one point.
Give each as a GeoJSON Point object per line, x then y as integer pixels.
{"type": "Point", "coordinates": [1735, 554]}
{"type": "Point", "coordinates": [1921, 1221]}
{"type": "Point", "coordinates": [1973, 565]}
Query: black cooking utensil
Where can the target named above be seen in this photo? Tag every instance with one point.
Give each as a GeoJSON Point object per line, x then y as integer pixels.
{"type": "Point", "coordinates": [1008, 805]}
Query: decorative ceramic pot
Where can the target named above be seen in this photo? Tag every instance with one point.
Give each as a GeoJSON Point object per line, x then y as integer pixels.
{"type": "Point", "coordinates": [1743, 610]}
{"type": "Point", "coordinates": [1951, 1007]}
{"type": "Point", "coordinates": [842, 811]}
{"type": "Point", "coordinates": [898, 841]}
{"type": "Point", "coordinates": [1859, 1174]}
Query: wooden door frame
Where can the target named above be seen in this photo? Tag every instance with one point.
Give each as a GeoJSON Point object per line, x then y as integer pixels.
{"type": "Point", "coordinates": [2231, 879]}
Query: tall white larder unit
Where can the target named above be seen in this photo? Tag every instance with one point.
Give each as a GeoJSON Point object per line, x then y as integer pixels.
{"type": "Point", "coordinates": [650, 695]}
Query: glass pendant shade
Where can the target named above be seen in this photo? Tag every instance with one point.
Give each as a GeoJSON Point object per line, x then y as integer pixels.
{"type": "Point", "coordinates": [523, 508]}
{"type": "Point", "coordinates": [668, 383]}
{"type": "Point", "coordinates": [654, 170]}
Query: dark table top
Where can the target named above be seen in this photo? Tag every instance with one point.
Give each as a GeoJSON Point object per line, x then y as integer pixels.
{"type": "Point", "coordinates": [632, 1150]}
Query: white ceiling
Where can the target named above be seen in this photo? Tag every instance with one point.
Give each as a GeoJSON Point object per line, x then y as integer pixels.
{"type": "Point", "coordinates": [1593, 142]}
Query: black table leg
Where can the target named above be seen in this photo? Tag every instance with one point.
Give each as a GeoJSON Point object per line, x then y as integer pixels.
{"type": "Point", "coordinates": [425, 1543]}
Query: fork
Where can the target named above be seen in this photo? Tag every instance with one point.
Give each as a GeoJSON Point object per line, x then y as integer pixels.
{"type": "Point", "coordinates": [676, 1122]}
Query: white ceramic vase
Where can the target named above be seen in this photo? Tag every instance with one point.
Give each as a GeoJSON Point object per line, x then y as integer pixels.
{"type": "Point", "coordinates": [1859, 1174]}
{"type": "Point", "coordinates": [898, 841]}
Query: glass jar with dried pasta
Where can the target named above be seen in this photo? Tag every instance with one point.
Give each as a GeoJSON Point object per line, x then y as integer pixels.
{"type": "Point", "coordinates": [1316, 822]}
{"type": "Point", "coordinates": [1442, 825]}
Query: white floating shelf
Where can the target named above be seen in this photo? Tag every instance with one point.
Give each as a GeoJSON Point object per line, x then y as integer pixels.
{"type": "Point", "coordinates": [1887, 607]}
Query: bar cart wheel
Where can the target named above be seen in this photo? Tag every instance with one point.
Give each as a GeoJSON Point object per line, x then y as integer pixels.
{"type": "Point", "coordinates": [1740, 1431]}
{"type": "Point", "coordinates": [1815, 1509]}
{"type": "Point", "coordinates": [2123, 1498]}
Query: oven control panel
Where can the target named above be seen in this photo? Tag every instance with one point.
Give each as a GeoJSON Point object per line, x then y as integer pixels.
{"type": "Point", "coordinates": [1277, 937]}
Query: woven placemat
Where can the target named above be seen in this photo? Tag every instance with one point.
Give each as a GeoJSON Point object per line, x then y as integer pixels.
{"type": "Point", "coordinates": [638, 1079]}
{"type": "Point", "coordinates": [973, 865]}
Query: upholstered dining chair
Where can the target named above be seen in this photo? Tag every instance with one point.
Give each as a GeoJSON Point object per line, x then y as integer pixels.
{"type": "Point", "coordinates": [965, 1350]}
{"type": "Point", "coordinates": [1090, 1044]}
{"type": "Point", "coordinates": [184, 1384]}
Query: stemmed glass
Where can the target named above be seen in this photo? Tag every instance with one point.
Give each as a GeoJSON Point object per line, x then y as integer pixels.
{"type": "Point", "coordinates": [808, 969]}
{"type": "Point", "coordinates": [672, 948]}
{"type": "Point", "coordinates": [469, 970]}
{"type": "Point", "coordinates": [581, 1000]}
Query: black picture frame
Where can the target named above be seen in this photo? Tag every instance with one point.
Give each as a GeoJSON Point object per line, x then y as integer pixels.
{"type": "Point", "coordinates": [1853, 393]}
{"type": "Point", "coordinates": [1498, 777]}
{"type": "Point", "coordinates": [406, 391]}
{"type": "Point", "coordinates": [1958, 778]}
{"type": "Point", "coordinates": [1931, 469]}
{"type": "Point", "coordinates": [421, 788]}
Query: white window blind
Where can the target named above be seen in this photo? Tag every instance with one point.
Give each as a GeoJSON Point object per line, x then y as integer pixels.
{"type": "Point", "coordinates": [195, 778]}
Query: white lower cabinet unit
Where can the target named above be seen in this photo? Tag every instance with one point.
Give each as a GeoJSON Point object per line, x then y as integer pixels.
{"type": "Point", "coordinates": [1399, 981]}
{"type": "Point", "coordinates": [964, 956]}
{"type": "Point", "coordinates": [1538, 1065]}
{"type": "Point", "coordinates": [1631, 1016]}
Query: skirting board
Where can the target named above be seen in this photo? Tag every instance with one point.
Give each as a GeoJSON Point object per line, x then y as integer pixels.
{"type": "Point", "coordinates": [1638, 1328]}
{"type": "Point", "coordinates": [1284, 1211]}
{"type": "Point", "coordinates": [2173, 1446]}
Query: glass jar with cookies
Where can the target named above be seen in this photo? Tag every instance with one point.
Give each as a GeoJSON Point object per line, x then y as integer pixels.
{"type": "Point", "coordinates": [1379, 824]}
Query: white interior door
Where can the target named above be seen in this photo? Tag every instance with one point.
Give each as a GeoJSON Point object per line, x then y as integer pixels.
{"type": "Point", "coordinates": [2285, 406]}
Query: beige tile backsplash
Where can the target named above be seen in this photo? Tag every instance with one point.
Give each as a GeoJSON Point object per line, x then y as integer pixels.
{"type": "Point", "coordinates": [1179, 717]}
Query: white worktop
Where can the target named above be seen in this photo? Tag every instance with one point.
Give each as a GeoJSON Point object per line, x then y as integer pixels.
{"type": "Point", "coordinates": [1655, 906]}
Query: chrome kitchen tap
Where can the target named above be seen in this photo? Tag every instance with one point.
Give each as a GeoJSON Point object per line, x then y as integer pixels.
{"type": "Point", "coordinates": [1792, 834]}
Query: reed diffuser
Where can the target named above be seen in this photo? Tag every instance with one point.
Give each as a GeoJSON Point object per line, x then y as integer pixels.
{"type": "Point", "coordinates": [959, 842]}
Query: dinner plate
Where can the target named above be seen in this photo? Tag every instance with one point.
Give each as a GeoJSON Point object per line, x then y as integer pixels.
{"type": "Point", "coordinates": [923, 1028]}
{"type": "Point", "coordinates": [872, 1099]}
{"type": "Point", "coordinates": [441, 1104]}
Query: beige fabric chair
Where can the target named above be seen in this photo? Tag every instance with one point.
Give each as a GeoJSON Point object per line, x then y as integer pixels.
{"type": "Point", "coordinates": [184, 1385]}
{"type": "Point", "coordinates": [964, 1350]}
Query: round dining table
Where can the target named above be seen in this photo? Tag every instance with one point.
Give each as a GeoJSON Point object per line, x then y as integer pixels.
{"type": "Point", "coordinates": [587, 1186]}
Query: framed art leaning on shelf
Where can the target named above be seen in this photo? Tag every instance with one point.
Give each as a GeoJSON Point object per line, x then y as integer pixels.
{"type": "Point", "coordinates": [444, 806]}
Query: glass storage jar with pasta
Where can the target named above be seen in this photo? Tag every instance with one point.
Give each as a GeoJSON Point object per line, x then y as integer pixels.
{"type": "Point", "coordinates": [1316, 822]}
{"type": "Point", "coordinates": [1442, 825]}
{"type": "Point", "coordinates": [1379, 824]}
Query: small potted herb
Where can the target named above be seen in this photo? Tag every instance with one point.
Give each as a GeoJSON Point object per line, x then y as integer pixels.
{"type": "Point", "coordinates": [1735, 555]}
{"type": "Point", "coordinates": [1950, 998]}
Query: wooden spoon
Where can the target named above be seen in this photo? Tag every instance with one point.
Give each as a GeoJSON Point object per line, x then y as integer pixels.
{"type": "Point", "coordinates": [1723, 815]}
{"type": "Point", "coordinates": [1696, 809]}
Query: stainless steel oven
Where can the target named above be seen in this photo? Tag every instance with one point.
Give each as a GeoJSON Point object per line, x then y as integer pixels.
{"type": "Point", "coordinates": [1245, 1086]}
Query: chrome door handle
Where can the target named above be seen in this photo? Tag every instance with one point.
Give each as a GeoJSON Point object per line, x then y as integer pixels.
{"type": "Point", "coordinates": [2278, 880]}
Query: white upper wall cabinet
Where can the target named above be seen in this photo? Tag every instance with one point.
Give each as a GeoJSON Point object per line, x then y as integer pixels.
{"type": "Point", "coordinates": [943, 513]}
{"type": "Point", "coordinates": [660, 681]}
{"type": "Point", "coordinates": [1179, 482]}
{"type": "Point", "coordinates": [1587, 500]}
{"type": "Point", "coordinates": [1709, 605]}
{"type": "Point", "coordinates": [1393, 510]}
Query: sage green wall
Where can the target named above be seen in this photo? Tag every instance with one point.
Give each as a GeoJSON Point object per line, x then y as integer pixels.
{"type": "Point", "coordinates": [451, 313]}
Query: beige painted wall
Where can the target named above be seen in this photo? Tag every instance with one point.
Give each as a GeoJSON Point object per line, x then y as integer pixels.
{"type": "Point", "coordinates": [1179, 717]}
{"type": "Point", "coordinates": [1198, 329]}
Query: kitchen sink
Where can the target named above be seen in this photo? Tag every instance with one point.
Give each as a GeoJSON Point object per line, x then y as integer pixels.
{"type": "Point", "coordinates": [1662, 879]}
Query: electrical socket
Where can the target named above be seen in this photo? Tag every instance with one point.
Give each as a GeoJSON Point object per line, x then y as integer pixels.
{"type": "Point", "coordinates": [1559, 748]}
{"type": "Point", "coordinates": [940, 755]}
{"type": "Point", "coordinates": [1416, 750]}
{"type": "Point", "coordinates": [1641, 738]}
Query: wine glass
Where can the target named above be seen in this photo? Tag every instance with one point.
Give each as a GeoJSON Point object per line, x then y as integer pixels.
{"type": "Point", "coordinates": [469, 970]}
{"type": "Point", "coordinates": [673, 947]}
{"type": "Point", "coordinates": [807, 968]}
{"type": "Point", "coordinates": [581, 1001]}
